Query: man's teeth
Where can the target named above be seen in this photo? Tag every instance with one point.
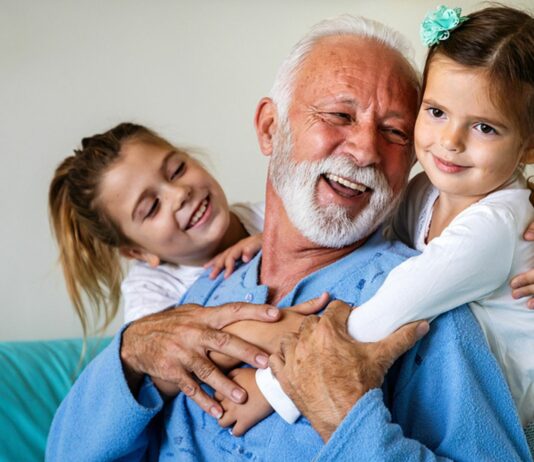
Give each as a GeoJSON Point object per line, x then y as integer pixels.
{"type": "Point", "coordinates": [199, 213]}
{"type": "Point", "coordinates": [346, 183]}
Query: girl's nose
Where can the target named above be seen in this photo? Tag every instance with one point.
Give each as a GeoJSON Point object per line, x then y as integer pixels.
{"type": "Point", "coordinates": [452, 139]}
{"type": "Point", "coordinates": [178, 195]}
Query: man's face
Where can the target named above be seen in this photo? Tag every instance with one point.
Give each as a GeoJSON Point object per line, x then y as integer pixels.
{"type": "Point", "coordinates": [341, 164]}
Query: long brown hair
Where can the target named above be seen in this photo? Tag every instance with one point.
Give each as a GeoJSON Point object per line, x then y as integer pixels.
{"type": "Point", "coordinates": [88, 240]}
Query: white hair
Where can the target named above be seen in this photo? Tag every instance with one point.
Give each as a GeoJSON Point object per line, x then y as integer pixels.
{"type": "Point", "coordinates": [343, 25]}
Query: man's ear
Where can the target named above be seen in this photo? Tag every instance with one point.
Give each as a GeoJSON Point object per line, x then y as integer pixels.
{"type": "Point", "coordinates": [265, 121]}
{"type": "Point", "coordinates": [138, 254]}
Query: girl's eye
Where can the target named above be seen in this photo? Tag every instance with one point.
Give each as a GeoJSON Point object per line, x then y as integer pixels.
{"type": "Point", "coordinates": [435, 112]}
{"type": "Point", "coordinates": [179, 170]}
{"type": "Point", "coordinates": [486, 129]}
{"type": "Point", "coordinates": [153, 209]}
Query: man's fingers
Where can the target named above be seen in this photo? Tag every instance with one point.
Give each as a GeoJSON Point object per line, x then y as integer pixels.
{"type": "Point", "coordinates": [400, 341]}
{"type": "Point", "coordinates": [337, 312]}
{"type": "Point", "coordinates": [208, 373]}
{"type": "Point", "coordinates": [217, 318]}
{"type": "Point", "coordinates": [313, 305]}
{"type": "Point", "coordinates": [277, 363]}
{"type": "Point", "coordinates": [206, 402]}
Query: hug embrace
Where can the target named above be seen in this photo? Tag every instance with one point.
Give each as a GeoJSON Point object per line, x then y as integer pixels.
{"type": "Point", "coordinates": [327, 290]}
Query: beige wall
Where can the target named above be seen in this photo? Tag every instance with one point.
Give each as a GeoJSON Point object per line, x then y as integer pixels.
{"type": "Point", "coordinates": [193, 70]}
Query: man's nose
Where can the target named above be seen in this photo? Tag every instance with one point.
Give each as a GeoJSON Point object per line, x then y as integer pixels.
{"type": "Point", "coordinates": [452, 138]}
{"type": "Point", "coordinates": [362, 144]}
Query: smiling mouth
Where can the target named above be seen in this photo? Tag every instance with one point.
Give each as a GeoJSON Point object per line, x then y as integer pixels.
{"type": "Point", "coordinates": [448, 167]}
{"type": "Point", "coordinates": [345, 187]}
{"type": "Point", "coordinates": [199, 213]}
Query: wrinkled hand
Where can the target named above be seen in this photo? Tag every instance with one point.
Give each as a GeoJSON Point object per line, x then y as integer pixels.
{"type": "Point", "coordinates": [173, 345]}
{"type": "Point", "coordinates": [245, 250]}
{"type": "Point", "coordinates": [245, 415]}
{"type": "Point", "coordinates": [523, 284]}
{"type": "Point", "coordinates": [343, 370]}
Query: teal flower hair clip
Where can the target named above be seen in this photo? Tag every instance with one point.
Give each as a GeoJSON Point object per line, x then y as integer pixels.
{"type": "Point", "coordinates": [438, 24]}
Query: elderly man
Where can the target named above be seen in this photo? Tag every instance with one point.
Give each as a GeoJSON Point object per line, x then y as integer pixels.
{"type": "Point", "coordinates": [338, 131]}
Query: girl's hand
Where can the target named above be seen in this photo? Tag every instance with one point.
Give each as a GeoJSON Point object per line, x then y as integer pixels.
{"type": "Point", "coordinates": [245, 250]}
{"type": "Point", "coordinates": [253, 410]}
{"type": "Point", "coordinates": [523, 284]}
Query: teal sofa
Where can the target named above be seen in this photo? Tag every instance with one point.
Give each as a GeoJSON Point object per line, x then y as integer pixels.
{"type": "Point", "coordinates": [35, 376]}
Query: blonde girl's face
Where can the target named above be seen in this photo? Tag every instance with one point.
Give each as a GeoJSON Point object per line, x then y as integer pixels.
{"type": "Point", "coordinates": [467, 146]}
{"type": "Point", "coordinates": [166, 203]}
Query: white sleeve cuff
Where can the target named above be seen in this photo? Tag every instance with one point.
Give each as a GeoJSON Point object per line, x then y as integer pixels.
{"type": "Point", "coordinates": [273, 393]}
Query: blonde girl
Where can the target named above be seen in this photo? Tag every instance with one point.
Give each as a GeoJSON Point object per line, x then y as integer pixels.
{"type": "Point", "coordinates": [130, 193]}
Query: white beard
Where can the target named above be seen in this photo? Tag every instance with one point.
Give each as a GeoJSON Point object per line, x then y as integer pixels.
{"type": "Point", "coordinates": [328, 226]}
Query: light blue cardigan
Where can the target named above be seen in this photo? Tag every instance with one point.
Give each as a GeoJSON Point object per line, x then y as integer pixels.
{"type": "Point", "coordinates": [445, 399]}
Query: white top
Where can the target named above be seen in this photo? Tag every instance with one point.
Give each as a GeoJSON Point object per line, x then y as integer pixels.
{"type": "Point", "coordinates": [473, 259]}
{"type": "Point", "coordinates": [146, 290]}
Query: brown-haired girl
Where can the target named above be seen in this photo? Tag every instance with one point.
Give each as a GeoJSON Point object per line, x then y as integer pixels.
{"type": "Point", "coordinates": [128, 192]}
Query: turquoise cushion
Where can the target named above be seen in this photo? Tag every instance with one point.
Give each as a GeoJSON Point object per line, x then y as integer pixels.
{"type": "Point", "coordinates": [35, 376]}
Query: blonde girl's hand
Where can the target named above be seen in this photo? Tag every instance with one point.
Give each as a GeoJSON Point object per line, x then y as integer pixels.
{"type": "Point", "coordinates": [245, 250]}
{"type": "Point", "coordinates": [245, 415]}
{"type": "Point", "coordinates": [523, 284]}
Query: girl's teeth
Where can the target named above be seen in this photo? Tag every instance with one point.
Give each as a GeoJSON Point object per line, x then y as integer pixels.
{"type": "Point", "coordinates": [346, 183]}
{"type": "Point", "coordinates": [198, 214]}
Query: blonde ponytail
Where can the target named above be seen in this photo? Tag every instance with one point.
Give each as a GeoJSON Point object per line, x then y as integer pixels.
{"type": "Point", "coordinates": [88, 241]}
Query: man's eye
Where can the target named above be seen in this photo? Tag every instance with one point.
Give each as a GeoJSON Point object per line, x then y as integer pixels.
{"type": "Point", "coordinates": [396, 136]}
{"type": "Point", "coordinates": [338, 118]}
{"type": "Point", "coordinates": [153, 209]}
{"type": "Point", "coordinates": [178, 172]}
{"type": "Point", "coordinates": [485, 129]}
{"type": "Point", "coordinates": [435, 112]}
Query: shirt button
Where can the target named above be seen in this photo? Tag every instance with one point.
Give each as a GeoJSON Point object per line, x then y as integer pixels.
{"type": "Point", "coordinates": [249, 297]}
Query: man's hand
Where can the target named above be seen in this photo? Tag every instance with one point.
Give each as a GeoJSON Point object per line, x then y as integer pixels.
{"type": "Point", "coordinates": [325, 372]}
{"type": "Point", "coordinates": [172, 346]}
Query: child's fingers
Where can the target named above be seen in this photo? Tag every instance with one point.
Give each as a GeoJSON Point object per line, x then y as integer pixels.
{"type": "Point", "coordinates": [240, 428]}
{"type": "Point", "coordinates": [523, 279]}
{"type": "Point", "coordinates": [313, 305]}
{"type": "Point", "coordinates": [226, 420]}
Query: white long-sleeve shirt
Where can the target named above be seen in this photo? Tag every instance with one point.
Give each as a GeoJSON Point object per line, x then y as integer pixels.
{"type": "Point", "coordinates": [473, 259]}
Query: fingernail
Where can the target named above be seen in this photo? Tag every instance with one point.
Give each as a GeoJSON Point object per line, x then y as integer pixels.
{"type": "Point", "coordinates": [422, 329]}
{"type": "Point", "coordinates": [529, 235]}
{"type": "Point", "coordinates": [216, 412]}
{"type": "Point", "coordinates": [273, 312]}
{"type": "Point", "coordinates": [238, 394]}
{"type": "Point", "coordinates": [262, 360]}
{"type": "Point", "coordinates": [514, 284]}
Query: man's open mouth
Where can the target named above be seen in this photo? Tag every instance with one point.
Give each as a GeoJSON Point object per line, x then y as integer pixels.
{"type": "Point", "coordinates": [344, 186]}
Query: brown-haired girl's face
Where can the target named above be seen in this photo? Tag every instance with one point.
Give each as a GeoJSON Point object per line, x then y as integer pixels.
{"type": "Point", "coordinates": [166, 203]}
{"type": "Point", "coordinates": [467, 146]}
